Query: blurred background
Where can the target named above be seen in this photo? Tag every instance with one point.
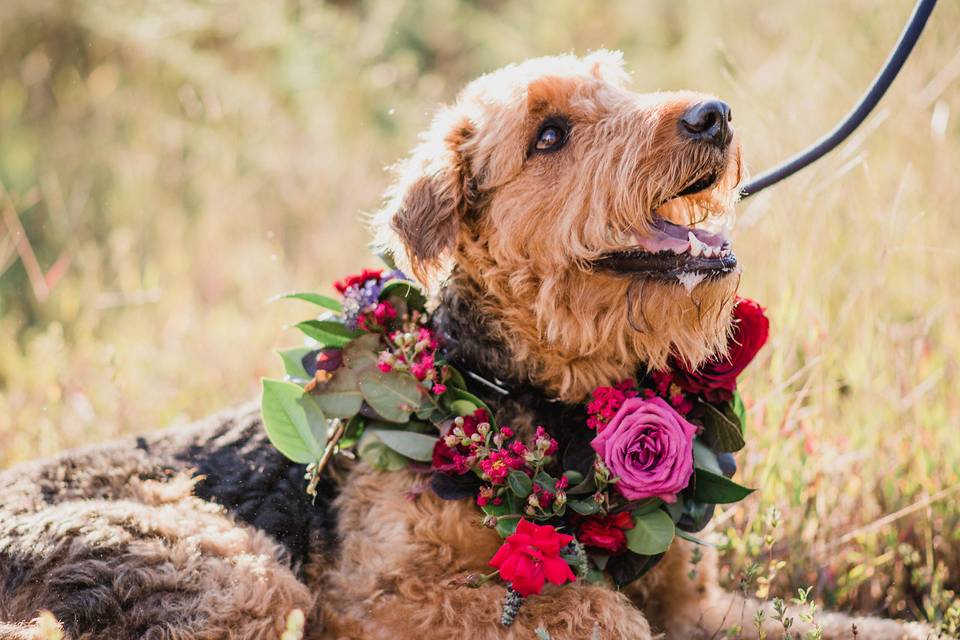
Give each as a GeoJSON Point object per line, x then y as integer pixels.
{"type": "Point", "coordinates": [168, 166]}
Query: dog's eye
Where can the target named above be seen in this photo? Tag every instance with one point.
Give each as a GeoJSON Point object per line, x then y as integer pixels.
{"type": "Point", "coordinates": [551, 137]}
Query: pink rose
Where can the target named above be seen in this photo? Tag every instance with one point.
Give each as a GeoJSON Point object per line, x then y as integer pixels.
{"type": "Point", "coordinates": [649, 446]}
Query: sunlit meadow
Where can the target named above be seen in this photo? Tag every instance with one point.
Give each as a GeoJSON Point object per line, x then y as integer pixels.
{"type": "Point", "coordinates": [166, 167]}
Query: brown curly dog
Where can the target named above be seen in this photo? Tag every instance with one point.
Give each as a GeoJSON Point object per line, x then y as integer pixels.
{"type": "Point", "coordinates": [521, 211]}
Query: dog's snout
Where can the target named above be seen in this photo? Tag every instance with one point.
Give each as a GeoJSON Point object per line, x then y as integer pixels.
{"type": "Point", "coordinates": [708, 121]}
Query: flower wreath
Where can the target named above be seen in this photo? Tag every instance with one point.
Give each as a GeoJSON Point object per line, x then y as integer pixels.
{"type": "Point", "coordinates": [659, 459]}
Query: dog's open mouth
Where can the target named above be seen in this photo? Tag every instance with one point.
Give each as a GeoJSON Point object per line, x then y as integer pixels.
{"type": "Point", "coordinates": [674, 252]}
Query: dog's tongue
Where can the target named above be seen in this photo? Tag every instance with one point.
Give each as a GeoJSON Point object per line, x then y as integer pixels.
{"type": "Point", "coordinates": [667, 236]}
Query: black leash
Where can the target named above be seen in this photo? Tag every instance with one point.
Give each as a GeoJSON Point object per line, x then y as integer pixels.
{"type": "Point", "coordinates": [826, 144]}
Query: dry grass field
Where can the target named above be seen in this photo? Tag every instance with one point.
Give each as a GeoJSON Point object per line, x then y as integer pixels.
{"type": "Point", "coordinates": [175, 163]}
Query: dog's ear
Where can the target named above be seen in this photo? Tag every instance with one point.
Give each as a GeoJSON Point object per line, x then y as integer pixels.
{"type": "Point", "coordinates": [419, 222]}
{"type": "Point", "coordinates": [607, 65]}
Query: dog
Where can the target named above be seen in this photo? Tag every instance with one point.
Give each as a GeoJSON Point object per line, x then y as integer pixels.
{"type": "Point", "coordinates": [521, 211]}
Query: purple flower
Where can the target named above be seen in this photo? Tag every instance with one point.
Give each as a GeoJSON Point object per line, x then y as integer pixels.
{"type": "Point", "coordinates": [362, 295]}
{"type": "Point", "coordinates": [649, 447]}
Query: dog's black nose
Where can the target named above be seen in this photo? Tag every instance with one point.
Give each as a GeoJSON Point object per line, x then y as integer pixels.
{"type": "Point", "coordinates": [708, 121]}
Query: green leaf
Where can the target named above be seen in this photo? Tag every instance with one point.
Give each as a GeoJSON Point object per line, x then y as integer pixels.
{"type": "Point", "coordinates": [415, 446]}
{"type": "Point", "coordinates": [461, 394]}
{"type": "Point", "coordinates": [353, 432]}
{"type": "Point", "coordinates": [453, 378]}
{"type": "Point", "coordinates": [520, 483]}
{"type": "Point", "coordinates": [596, 577]}
{"type": "Point", "coordinates": [409, 291]}
{"type": "Point", "coordinates": [426, 411]}
{"type": "Point", "coordinates": [328, 333]}
{"type": "Point", "coordinates": [675, 508]}
{"type": "Point", "coordinates": [646, 506]}
{"type": "Point", "coordinates": [393, 395]}
{"type": "Point", "coordinates": [374, 452]}
{"type": "Point", "coordinates": [694, 539]}
{"type": "Point", "coordinates": [324, 301]}
{"type": "Point", "coordinates": [716, 489]}
{"type": "Point", "coordinates": [380, 456]}
{"type": "Point", "coordinates": [652, 533]}
{"type": "Point", "coordinates": [723, 427]}
{"type": "Point", "coordinates": [739, 410]}
{"type": "Point", "coordinates": [585, 507]}
{"type": "Point", "coordinates": [293, 362]}
{"type": "Point", "coordinates": [704, 458]}
{"type": "Point", "coordinates": [587, 485]}
{"type": "Point", "coordinates": [463, 407]}
{"type": "Point", "coordinates": [546, 481]}
{"type": "Point", "coordinates": [294, 423]}
{"type": "Point", "coordinates": [361, 353]}
{"type": "Point", "coordinates": [506, 526]}
{"type": "Point", "coordinates": [340, 397]}
{"type": "Point", "coordinates": [600, 560]}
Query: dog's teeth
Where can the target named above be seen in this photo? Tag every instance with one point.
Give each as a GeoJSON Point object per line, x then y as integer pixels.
{"type": "Point", "coordinates": [696, 247]}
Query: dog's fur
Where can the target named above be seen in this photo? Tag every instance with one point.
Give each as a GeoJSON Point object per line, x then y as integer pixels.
{"type": "Point", "coordinates": [121, 542]}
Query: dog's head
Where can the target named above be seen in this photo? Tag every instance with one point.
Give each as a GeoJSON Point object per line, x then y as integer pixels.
{"type": "Point", "coordinates": [587, 220]}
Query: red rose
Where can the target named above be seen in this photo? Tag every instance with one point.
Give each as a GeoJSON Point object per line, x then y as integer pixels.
{"type": "Point", "coordinates": [453, 459]}
{"type": "Point", "coordinates": [716, 380]}
{"type": "Point", "coordinates": [606, 533]}
{"type": "Point", "coordinates": [349, 281]}
{"type": "Point", "coordinates": [531, 556]}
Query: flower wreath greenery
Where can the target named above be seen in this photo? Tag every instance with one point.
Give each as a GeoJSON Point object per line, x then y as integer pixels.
{"type": "Point", "coordinates": [372, 381]}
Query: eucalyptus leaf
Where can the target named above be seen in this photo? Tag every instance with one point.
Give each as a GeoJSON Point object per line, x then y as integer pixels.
{"type": "Point", "coordinates": [340, 397]}
{"type": "Point", "coordinates": [361, 353]}
{"type": "Point", "coordinates": [651, 534]}
{"type": "Point", "coordinates": [704, 458]}
{"type": "Point", "coordinates": [716, 489]}
{"type": "Point", "coordinates": [327, 332]}
{"type": "Point", "coordinates": [425, 412]}
{"type": "Point", "coordinates": [520, 483]}
{"type": "Point", "coordinates": [293, 362]}
{"type": "Point", "coordinates": [675, 508]}
{"type": "Point", "coordinates": [378, 455]}
{"type": "Point", "coordinates": [324, 301]}
{"type": "Point", "coordinates": [723, 427]}
{"type": "Point", "coordinates": [415, 446]}
{"type": "Point", "coordinates": [585, 507]}
{"type": "Point", "coordinates": [393, 395]}
{"type": "Point", "coordinates": [294, 423]}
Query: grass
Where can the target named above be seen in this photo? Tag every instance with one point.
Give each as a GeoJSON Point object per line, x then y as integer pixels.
{"type": "Point", "coordinates": [175, 164]}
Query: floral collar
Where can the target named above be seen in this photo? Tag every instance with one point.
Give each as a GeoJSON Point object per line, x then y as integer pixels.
{"type": "Point", "coordinates": [597, 492]}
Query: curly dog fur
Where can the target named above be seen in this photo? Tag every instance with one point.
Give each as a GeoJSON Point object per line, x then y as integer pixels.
{"type": "Point", "coordinates": [206, 532]}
